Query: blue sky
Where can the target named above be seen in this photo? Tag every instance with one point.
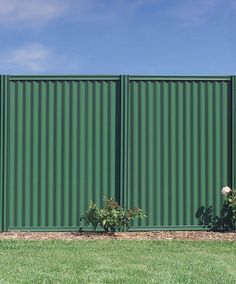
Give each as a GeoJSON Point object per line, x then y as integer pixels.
{"type": "Point", "coordinates": [152, 37]}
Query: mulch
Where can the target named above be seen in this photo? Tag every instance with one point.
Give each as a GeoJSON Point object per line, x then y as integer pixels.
{"type": "Point", "coordinates": [160, 235]}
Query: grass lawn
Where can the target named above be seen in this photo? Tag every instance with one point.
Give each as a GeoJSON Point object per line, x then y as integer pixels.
{"type": "Point", "coordinates": [117, 261]}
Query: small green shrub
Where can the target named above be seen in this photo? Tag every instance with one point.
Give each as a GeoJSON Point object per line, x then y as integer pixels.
{"type": "Point", "coordinates": [231, 201]}
{"type": "Point", "coordinates": [111, 217]}
{"type": "Point", "coordinates": [227, 218]}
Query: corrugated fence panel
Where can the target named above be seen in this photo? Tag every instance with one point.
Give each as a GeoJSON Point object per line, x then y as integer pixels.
{"type": "Point", "coordinates": [180, 148]}
{"type": "Point", "coordinates": [165, 144]}
{"type": "Point", "coordinates": [64, 143]}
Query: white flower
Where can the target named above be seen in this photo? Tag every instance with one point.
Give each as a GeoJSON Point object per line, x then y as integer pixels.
{"type": "Point", "coordinates": [226, 190]}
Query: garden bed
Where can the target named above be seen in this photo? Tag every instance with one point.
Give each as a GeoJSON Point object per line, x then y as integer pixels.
{"type": "Point", "coordinates": [160, 235]}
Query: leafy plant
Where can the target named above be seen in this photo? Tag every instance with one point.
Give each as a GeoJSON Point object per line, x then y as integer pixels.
{"type": "Point", "coordinates": [111, 217]}
{"type": "Point", "coordinates": [231, 200]}
{"type": "Point", "coordinates": [226, 221]}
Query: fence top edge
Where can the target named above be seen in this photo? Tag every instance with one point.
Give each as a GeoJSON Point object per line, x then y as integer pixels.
{"type": "Point", "coordinates": [115, 78]}
{"type": "Point", "coordinates": [63, 77]}
{"type": "Point", "coordinates": [180, 78]}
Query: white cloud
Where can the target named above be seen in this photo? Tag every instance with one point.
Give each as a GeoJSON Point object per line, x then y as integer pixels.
{"type": "Point", "coordinates": [35, 58]}
{"type": "Point", "coordinates": [192, 12]}
{"type": "Point", "coordinates": [32, 57]}
{"type": "Point", "coordinates": [103, 11]}
{"type": "Point", "coordinates": [33, 12]}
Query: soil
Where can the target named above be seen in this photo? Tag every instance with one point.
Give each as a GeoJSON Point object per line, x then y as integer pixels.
{"type": "Point", "coordinates": [160, 235]}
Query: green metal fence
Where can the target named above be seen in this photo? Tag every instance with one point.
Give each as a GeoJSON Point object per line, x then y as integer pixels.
{"type": "Point", "coordinates": [165, 144]}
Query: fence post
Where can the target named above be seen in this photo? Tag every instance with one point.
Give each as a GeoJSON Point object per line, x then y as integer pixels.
{"type": "Point", "coordinates": [124, 79]}
{"type": "Point", "coordinates": [3, 150]}
{"type": "Point", "coordinates": [233, 79]}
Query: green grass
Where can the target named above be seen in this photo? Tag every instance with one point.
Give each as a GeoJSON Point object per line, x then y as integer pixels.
{"type": "Point", "coordinates": [117, 262]}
